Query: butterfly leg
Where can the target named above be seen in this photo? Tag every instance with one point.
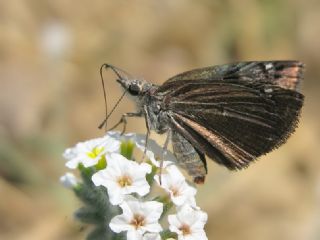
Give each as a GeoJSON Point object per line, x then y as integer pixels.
{"type": "Point", "coordinates": [148, 131]}
{"type": "Point", "coordinates": [164, 152]}
{"type": "Point", "coordinates": [123, 120]}
{"type": "Point", "coordinates": [166, 143]}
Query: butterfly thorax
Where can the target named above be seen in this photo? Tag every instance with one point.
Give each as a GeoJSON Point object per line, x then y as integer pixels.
{"type": "Point", "coordinates": [156, 115]}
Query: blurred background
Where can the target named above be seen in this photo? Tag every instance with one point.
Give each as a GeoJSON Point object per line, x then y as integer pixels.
{"type": "Point", "coordinates": [51, 98]}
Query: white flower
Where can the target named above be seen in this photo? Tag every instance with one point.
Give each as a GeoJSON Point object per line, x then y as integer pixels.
{"type": "Point", "coordinates": [122, 177]}
{"type": "Point", "coordinates": [121, 137]}
{"type": "Point", "coordinates": [90, 152]}
{"type": "Point", "coordinates": [69, 180]}
{"type": "Point", "coordinates": [138, 218]}
{"type": "Point", "coordinates": [154, 152]}
{"type": "Point", "coordinates": [151, 236]}
{"type": "Point", "coordinates": [176, 185]}
{"type": "Point", "coordinates": [188, 223]}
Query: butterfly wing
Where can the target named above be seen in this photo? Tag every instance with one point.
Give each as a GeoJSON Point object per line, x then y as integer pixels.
{"type": "Point", "coordinates": [285, 74]}
{"type": "Point", "coordinates": [189, 158]}
{"type": "Point", "coordinates": [235, 113]}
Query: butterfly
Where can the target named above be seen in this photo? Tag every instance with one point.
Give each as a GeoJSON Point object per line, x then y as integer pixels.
{"type": "Point", "coordinates": [231, 113]}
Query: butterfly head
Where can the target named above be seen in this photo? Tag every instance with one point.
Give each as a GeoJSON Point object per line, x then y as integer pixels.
{"type": "Point", "coordinates": [134, 87]}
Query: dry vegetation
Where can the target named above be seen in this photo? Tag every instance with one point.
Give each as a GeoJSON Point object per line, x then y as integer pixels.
{"type": "Point", "coordinates": [50, 97]}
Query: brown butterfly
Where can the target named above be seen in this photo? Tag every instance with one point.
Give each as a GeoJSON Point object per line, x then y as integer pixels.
{"type": "Point", "coordinates": [231, 113]}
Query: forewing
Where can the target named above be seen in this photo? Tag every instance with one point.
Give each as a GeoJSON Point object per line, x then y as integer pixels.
{"type": "Point", "coordinates": [234, 121]}
{"type": "Point", "coordinates": [285, 74]}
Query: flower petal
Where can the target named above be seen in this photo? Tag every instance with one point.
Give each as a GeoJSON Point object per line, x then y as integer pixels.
{"type": "Point", "coordinates": [134, 235]}
{"type": "Point", "coordinates": [69, 180]}
{"type": "Point", "coordinates": [176, 185]}
{"type": "Point", "coordinates": [153, 210]}
{"type": "Point", "coordinates": [122, 177]}
{"type": "Point", "coordinates": [191, 219]}
{"type": "Point", "coordinates": [137, 217]}
{"type": "Point", "coordinates": [151, 236]}
{"type": "Point", "coordinates": [119, 224]}
{"type": "Point", "coordinates": [153, 227]}
{"type": "Point", "coordinates": [90, 152]}
{"type": "Point", "coordinates": [154, 152]}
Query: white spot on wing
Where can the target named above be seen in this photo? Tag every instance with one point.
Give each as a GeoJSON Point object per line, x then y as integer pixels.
{"type": "Point", "coordinates": [268, 90]}
{"type": "Point", "coordinates": [268, 66]}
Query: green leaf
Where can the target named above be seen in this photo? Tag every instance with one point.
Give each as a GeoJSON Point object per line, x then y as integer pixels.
{"type": "Point", "coordinates": [150, 176]}
{"type": "Point", "coordinates": [165, 234]}
{"type": "Point", "coordinates": [86, 172]}
{"type": "Point", "coordinates": [89, 215]}
{"type": "Point", "coordinates": [102, 163]}
{"type": "Point", "coordinates": [126, 148]}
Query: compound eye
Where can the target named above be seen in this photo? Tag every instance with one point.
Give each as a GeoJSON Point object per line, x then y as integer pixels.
{"type": "Point", "coordinates": [134, 89]}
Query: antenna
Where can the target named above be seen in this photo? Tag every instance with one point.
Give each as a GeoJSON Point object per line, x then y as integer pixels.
{"type": "Point", "coordinates": [118, 72]}
{"type": "Point", "coordinates": [104, 96]}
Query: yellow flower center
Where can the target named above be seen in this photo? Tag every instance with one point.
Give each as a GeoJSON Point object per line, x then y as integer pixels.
{"type": "Point", "coordinates": [138, 221]}
{"type": "Point", "coordinates": [95, 152]}
{"type": "Point", "coordinates": [185, 229]}
{"type": "Point", "coordinates": [125, 181]}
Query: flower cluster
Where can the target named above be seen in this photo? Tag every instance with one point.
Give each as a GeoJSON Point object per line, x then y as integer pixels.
{"type": "Point", "coordinates": [119, 190]}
